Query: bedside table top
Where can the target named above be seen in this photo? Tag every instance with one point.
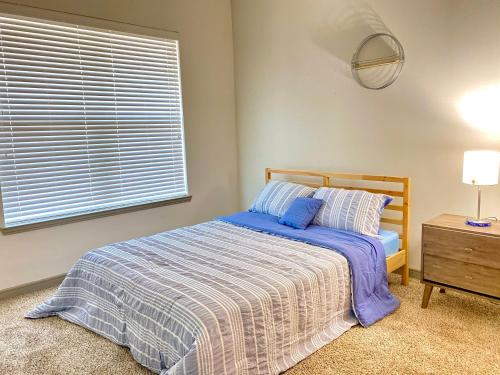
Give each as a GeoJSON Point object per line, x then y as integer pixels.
{"type": "Point", "coordinates": [457, 222]}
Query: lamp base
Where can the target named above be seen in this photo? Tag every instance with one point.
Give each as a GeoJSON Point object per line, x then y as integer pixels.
{"type": "Point", "coordinates": [478, 222]}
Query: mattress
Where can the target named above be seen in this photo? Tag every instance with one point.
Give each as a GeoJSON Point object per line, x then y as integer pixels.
{"type": "Point", "coordinates": [390, 240]}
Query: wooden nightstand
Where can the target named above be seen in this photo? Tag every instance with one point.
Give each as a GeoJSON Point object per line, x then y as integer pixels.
{"type": "Point", "coordinates": [459, 256]}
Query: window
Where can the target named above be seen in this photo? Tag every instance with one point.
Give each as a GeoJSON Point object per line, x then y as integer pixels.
{"type": "Point", "coordinates": [91, 120]}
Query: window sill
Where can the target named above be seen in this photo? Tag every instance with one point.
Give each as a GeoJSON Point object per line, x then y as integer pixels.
{"type": "Point", "coordinates": [92, 215]}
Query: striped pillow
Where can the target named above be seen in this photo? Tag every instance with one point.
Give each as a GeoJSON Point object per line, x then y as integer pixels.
{"type": "Point", "coordinates": [353, 210]}
{"type": "Point", "coordinates": [277, 196]}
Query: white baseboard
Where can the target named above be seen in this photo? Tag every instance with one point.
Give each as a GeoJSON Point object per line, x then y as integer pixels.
{"type": "Point", "coordinates": [32, 287]}
{"type": "Point", "coordinates": [415, 274]}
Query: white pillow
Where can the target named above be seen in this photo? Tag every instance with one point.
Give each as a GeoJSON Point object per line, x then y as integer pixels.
{"type": "Point", "coordinates": [352, 210]}
{"type": "Point", "coordinates": [277, 196]}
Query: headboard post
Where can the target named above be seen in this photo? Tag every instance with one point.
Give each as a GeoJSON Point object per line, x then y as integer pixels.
{"type": "Point", "coordinates": [326, 181]}
{"type": "Point", "coordinates": [268, 174]}
{"type": "Point", "coordinates": [406, 225]}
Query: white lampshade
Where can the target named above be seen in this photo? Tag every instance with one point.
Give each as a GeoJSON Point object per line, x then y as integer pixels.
{"type": "Point", "coordinates": [481, 167]}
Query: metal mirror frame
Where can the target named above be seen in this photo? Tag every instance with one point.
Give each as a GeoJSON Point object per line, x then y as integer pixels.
{"type": "Point", "coordinates": [395, 75]}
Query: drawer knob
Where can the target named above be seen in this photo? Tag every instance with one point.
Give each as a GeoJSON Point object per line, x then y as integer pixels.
{"type": "Point", "coordinates": [468, 277]}
{"type": "Point", "coordinates": [468, 250]}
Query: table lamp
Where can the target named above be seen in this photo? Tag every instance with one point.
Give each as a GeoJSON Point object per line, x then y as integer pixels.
{"type": "Point", "coordinates": [480, 169]}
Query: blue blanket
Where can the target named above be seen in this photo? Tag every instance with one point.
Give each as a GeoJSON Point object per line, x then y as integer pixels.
{"type": "Point", "coordinates": [372, 299]}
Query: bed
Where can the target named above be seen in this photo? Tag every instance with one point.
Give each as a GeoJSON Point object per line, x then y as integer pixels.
{"type": "Point", "coordinates": [242, 294]}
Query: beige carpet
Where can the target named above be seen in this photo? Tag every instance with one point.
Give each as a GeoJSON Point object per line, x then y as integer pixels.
{"type": "Point", "coordinates": [457, 334]}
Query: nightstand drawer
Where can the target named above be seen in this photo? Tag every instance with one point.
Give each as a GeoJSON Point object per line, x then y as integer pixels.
{"type": "Point", "coordinates": [466, 247]}
{"type": "Point", "coordinates": [468, 276]}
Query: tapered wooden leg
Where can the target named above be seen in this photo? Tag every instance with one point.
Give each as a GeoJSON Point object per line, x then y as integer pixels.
{"type": "Point", "coordinates": [442, 290]}
{"type": "Point", "coordinates": [405, 275]}
{"type": "Point", "coordinates": [427, 295]}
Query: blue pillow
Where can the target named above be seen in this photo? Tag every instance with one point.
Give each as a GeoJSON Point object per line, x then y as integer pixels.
{"type": "Point", "coordinates": [301, 212]}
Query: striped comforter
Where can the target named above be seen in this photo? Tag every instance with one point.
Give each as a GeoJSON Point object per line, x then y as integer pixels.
{"type": "Point", "coordinates": [213, 298]}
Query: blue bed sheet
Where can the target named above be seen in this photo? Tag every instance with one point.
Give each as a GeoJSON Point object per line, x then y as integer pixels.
{"type": "Point", "coordinates": [390, 241]}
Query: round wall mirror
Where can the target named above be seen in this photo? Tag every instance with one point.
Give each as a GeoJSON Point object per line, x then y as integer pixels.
{"type": "Point", "coordinates": [378, 61]}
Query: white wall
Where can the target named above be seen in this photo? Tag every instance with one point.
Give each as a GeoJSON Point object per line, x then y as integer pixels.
{"type": "Point", "coordinates": [208, 89]}
{"type": "Point", "coordinates": [299, 107]}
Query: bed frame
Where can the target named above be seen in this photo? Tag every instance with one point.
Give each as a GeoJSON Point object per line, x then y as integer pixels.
{"type": "Point", "coordinates": [396, 215]}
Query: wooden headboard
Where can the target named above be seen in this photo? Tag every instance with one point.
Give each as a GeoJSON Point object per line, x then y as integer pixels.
{"type": "Point", "coordinates": [396, 215]}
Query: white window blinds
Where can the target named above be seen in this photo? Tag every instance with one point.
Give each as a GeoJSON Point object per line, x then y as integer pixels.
{"type": "Point", "coordinates": [91, 120]}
